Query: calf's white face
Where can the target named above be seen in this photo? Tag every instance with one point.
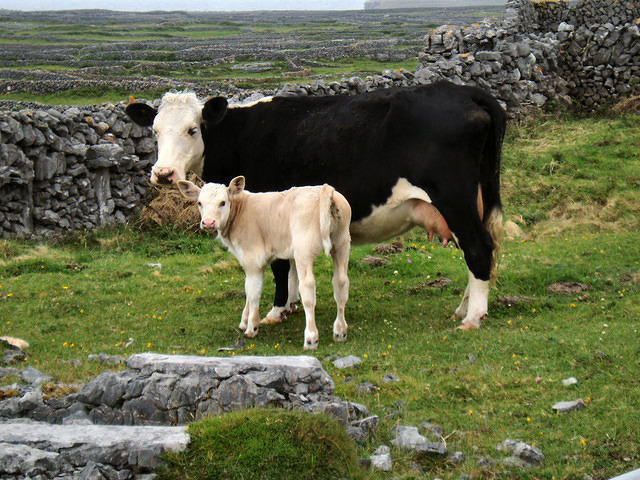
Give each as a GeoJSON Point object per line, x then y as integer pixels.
{"type": "Point", "coordinates": [214, 201]}
{"type": "Point", "coordinates": [179, 136]}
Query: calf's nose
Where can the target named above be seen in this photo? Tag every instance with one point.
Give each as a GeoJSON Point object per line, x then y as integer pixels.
{"type": "Point", "coordinates": [208, 223]}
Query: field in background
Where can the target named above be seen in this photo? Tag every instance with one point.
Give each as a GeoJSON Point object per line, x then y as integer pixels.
{"type": "Point", "coordinates": [570, 184]}
{"type": "Point", "coordinates": [57, 53]}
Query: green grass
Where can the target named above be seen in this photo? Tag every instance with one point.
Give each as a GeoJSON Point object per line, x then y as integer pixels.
{"type": "Point", "coordinates": [81, 96]}
{"type": "Point", "coordinates": [95, 291]}
{"type": "Point", "coordinates": [266, 444]}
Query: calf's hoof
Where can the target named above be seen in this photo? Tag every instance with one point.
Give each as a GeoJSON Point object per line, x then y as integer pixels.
{"type": "Point", "coordinates": [311, 344]}
{"type": "Point", "coordinates": [471, 324]}
{"type": "Point", "coordinates": [339, 337]}
{"type": "Point", "coordinates": [293, 307]}
{"type": "Point", "coordinates": [251, 332]}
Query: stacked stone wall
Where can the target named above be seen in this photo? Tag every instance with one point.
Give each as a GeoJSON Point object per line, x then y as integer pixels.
{"type": "Point", "coordinates": [67, 169]}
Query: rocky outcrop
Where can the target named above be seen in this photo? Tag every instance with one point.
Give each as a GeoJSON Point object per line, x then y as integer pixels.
{"type": "Point", "coordinates": [69, 435]}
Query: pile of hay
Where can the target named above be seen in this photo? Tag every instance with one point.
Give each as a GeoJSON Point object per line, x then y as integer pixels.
{"type": "Point", "coordinates": [165, 205]}
{"type": "Point", "coordinates": [628, 105]}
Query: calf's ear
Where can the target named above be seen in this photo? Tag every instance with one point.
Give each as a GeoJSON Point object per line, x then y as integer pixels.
{"type": "Point", "coordinates": [236, 185]}
{"type": "Point", "coordinates": [188, 190]}
{"type": "Point", "coordinates": [141, 113]}
{"type": "Point", "coordinates": [214, 110]}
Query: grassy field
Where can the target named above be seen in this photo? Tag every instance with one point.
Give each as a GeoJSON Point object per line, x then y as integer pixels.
{"type": "Point", "coordinates": [570, 184]}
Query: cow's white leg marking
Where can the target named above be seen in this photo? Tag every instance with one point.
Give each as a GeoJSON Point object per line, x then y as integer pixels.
{"type": "Point", "coordinates": [478, 301]}
{"type": "Point", "coordinates": [307, 285]}
{"type": "Point", "coordinates": [340, 289]}
{"type": "Point", "coordinates": [253, 290]}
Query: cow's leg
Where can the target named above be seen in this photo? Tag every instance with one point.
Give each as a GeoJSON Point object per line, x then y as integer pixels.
{"type": "Point", "coordinates": [307, 285]}
{"type": "Point", "coordinates": [253, 291]}
{"type": "Point", "coordinates": [477, 246]}
{"type": "Point", "coordinates": [461, 311]}
{"type": "Point", "coordinates": [277, 314]}
{"type": "Point", "coordinates": [340, 288]}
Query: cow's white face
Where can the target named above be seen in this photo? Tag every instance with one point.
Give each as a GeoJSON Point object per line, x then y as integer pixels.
{"type": "Point", "coordinates": [177, 128]}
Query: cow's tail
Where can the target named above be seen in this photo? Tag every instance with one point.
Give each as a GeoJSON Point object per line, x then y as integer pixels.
{"type": "Point", "coordinates": [490, 175]}
{"type": "Point", "coordinates": [326, 217]}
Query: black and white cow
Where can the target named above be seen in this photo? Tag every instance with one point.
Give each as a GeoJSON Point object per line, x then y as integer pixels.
{"type": "Point", "coordinates": [393, 153]}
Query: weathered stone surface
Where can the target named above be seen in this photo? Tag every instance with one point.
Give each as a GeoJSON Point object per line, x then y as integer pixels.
{"type": "Point", "coordinates": [381, 459]}
{"type": "Point", "coordinates": [114, 420]}
{"type": "Point", "coordinates": [522, 452]}
{"type": "Point", "coordinates": [407, 437]}
{"type": "Point", "coordinates": [44, 449]}
{"type": "Point", "coordinates": [347, 362]}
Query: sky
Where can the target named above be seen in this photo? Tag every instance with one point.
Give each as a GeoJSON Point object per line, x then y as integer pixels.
{"type": "Point", "coordinates": [195, 5]}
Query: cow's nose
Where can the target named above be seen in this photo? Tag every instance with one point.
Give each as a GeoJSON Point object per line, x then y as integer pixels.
{"type": "Point", "coordinates": [208, 223]}
{"type": "Point", "coordinates": [164, 174]}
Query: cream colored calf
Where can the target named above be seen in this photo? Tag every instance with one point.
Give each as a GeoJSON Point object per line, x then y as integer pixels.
{"type": "Point", "coordinates": [296, 224]}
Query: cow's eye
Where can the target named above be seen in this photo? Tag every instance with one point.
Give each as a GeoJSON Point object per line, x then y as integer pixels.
{"type": "Point", "coordinates": [199, 204]}
{"type": "Point", "coordinates": [223, 203]}
{"type": "Point", "coordinates": [192, 131]}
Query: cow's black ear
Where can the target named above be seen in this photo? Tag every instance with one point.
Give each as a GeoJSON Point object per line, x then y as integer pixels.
{"type": "Point", "coordinates": [214, 110]}
{"type": "Point", "coordinates": [141, 113]}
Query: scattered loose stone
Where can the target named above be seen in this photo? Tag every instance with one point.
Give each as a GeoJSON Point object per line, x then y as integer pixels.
{"type": "Point", "coordinates": [389, 378]}
{"type": "Point", "coordinates": [15, 342]}
{"type": "Point", "coordinates": [568, 406]}
{"type": "Point", "coordinates": [408, 438]}
{"type": "Point", "coordinates": [347, 362]}
{"type": "Point", "coordinates": [522, 452]}
{"type": "Point", "coordinates": [456, 457]}
{"type": "Point", "coordinates": [432, 429]}
{"type": "Point", "coordinates": [367, 388]}
{"type": "Point", "coordinates": [381, 459]}
{"type": "Point", "coordinates": [107, 359]}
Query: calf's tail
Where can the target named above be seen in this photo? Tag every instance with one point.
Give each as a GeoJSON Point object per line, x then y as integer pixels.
{"type": "Point", "coordinates": [326, 216]}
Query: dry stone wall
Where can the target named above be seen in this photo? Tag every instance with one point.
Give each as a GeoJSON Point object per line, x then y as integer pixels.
{"type": "Point", "coordinates": [67, 169]}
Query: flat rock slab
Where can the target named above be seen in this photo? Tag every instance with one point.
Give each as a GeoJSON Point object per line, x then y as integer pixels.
{"type": "Point", "coordinates": [51, 449]}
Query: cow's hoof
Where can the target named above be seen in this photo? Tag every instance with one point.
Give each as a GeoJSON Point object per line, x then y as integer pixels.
{"type": "Point", "coordinates": [273, 320]}
{"type": "Point", "coordinates": [339, 337]}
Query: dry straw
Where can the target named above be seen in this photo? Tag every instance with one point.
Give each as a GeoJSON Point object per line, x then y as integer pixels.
{"type": "Point", "coordinates": [167, 206]}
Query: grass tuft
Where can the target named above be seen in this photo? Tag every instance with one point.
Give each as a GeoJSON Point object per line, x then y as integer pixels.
{"type": "Point", "coordinates": [266, 444]}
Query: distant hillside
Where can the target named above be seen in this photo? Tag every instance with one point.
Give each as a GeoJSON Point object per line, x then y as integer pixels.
{"type": "Point", "coordinates": [393, 4]}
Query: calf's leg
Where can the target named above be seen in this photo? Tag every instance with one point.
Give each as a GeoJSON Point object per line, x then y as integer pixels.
{"type": "Point", "coordinates": [253, 290]}
{"type": "Point", "coordinates": [307, 285]}
{"type": "Point", "coordinates": [340, 287]}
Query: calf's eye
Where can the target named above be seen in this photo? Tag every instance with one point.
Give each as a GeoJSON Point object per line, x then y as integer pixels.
{"type": "Point", "coordinates": [192, 131]}
{"type": "Point", "coordinates": [222, 204]}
